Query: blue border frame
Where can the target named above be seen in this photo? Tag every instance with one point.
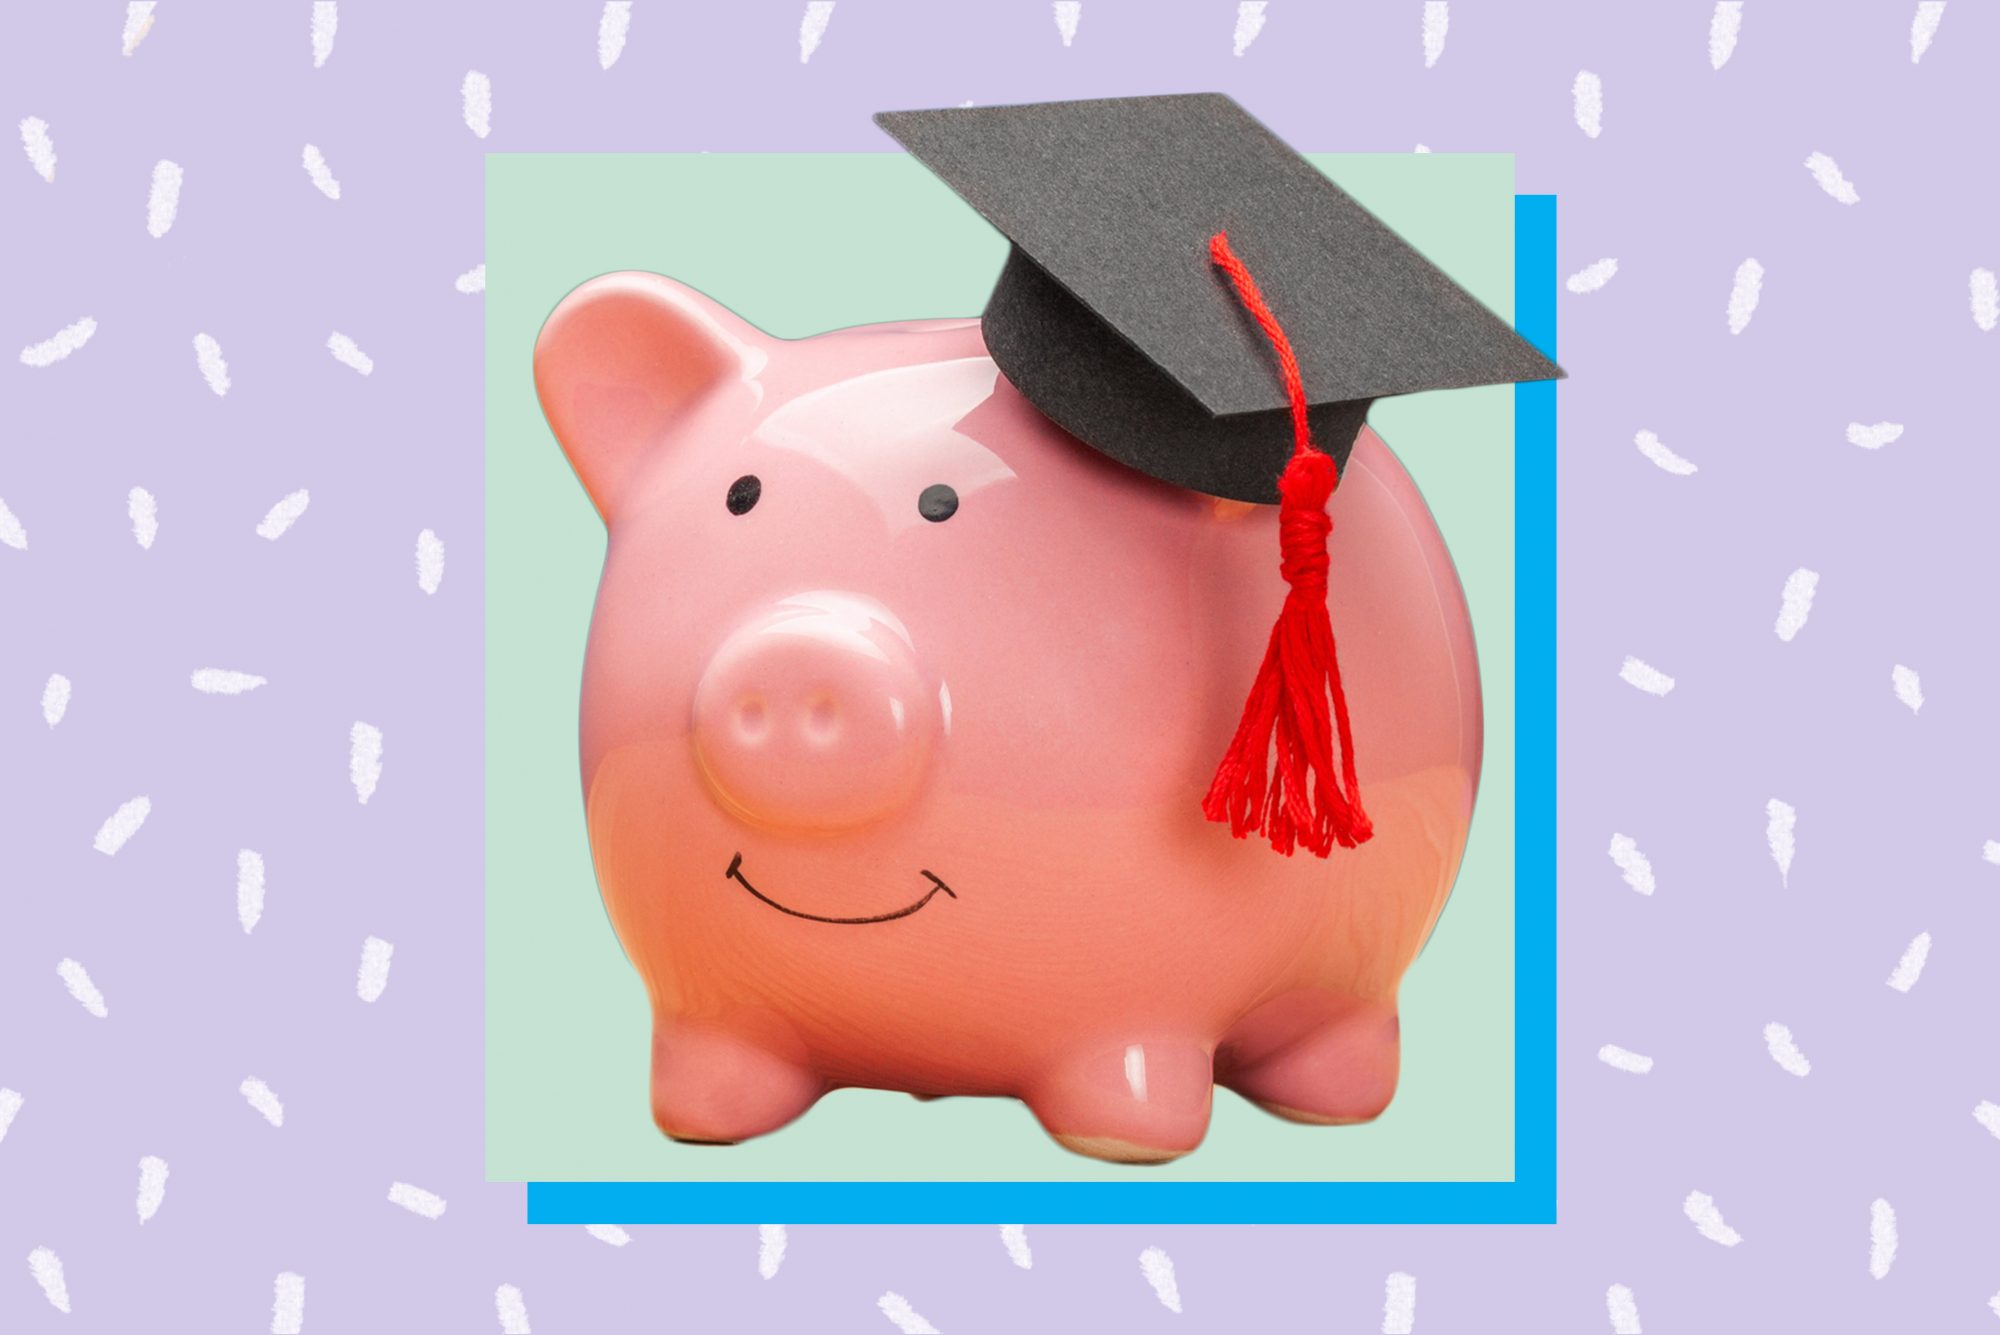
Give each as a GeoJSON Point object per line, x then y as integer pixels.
{"type": "Point", "coordinates": [1530, 1198]}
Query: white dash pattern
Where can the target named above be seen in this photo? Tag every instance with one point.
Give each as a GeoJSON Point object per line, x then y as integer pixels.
{"type": "Point", "coordinates": [1785, 1050]}
{"type": "Point", "coordinates": [1592, 277]}
{"type": "Point", "coordinates": [283, 515]}
{"type": "Point", "coordinates": [55, 698]}
{"type": "Point", "coordinates": [1623, 1310]}
{"type": "Point", "coordinates": [1723, 28]}
{"type": "Point", "coordinates": [1069, 13]}
{"type": "Point", "coordinates": [152, 1186]}
{"type": "Point", "coordinates": [1643, 675]}
{"type": "Point", "coordinates": [1881, 1238]}
{"type": "Point", "coordinates": [259, 1096]}
{"type": "Point", "coordinates": [476, 93]}
{"type": "Point", "coordinates": [249, 888]}
{"type": "Point", "coordinates": [319, 173]}
{"type": "Point", "coordinates": [1437, 22]}
{"type": "Point", "coordinates": [1618, 1059]}
{"type": "Point", "coordinates": [1923, 28]}
{"type": "Point", "coordinates": [1827, 172]}
{"type": "Point", "coordinates": [77, 979]}
{"type": "Point", "coordinates": [373, 977]}
{"type": "Point", "coordinates": [1399, 1303]}
{"type": "Point", "coordinates": [224, 681]}
{"type": "Point", "coordinates": [121, 825]}
{"type": "Point", "coordinates": [1911, 966]}
{"type": "Point", "coordinates": [1158, 1268]}
{"type": "Point", "coordinates": [1873, 437]}
{"type": "Point", "coordinates": [364, 759]}
{"type": "Point", "coordinates": [511, 1309]}
{"type": "Point", "coordinates": [771, 1242]}
{"type": "Point", "coordinates": [1781, 821]}
{"type": "Point", "coordinates": [59, 344]}
{"type": "Point", "coordinates": [613, 25]}
{"type": "Point", "coordinates": [325, 23]}
{"type": "Point", "coordinates": [163, 202]}
{"type": "Point", "coordinates": [288, 1303]}
{"type": "Point", "coordinates": [41, 149]}
{"type": "Point", "coordinates": [472, 280]}
{"type": "Point", "coordinates": [144, 512]}
{"type": "Point", "coordinates": [1014, 1237]}
{"type": "Point", "coordinates": [1637, 871]}
{"type": "Point", "coordinates": [608, 1233]}
{"type": "Point", "coordinates": [1987, 1114]}
{"type": "Point", "coordinates": [812, 27]}
{"type": "Point", "coordinates": [416, 1200]}
{"type": "Point", "coordinates": [1650, 446]}
{"type": "Point", "coordinates": [1795, 603]}
{"type": "Point", "coordinates": [138, 22]}
{"type": "Point", "coordinates": [1908, 687]}
{"type": "Point", "coordinates": [11, 1101]}
{"type": "Point", "coordinates": [1249, 22]}
{"type": "Point", "coordinates": [1701, 1212]}
{"type": "Point", "coordinates": [1985, 299]}
{"type": "Point", "coordinates": [47, 1269]}
{"type": "Point", "coordinates": [12, 532]}
{"type": "Point", "coordinates": [905, 1317]}
{"type": "Point", "coordinates": [430, 561]}
{"type": "Point", "coordinates": [208, 359]}
{"type": "Point", "coordinates": [1587, 95]}
{"type": "Point", "coordinates": [1744, 294]}
{"type": "Point", "coordinates": [348, 353]}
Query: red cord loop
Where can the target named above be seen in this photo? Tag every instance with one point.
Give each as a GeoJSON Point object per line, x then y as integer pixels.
{"type": "Point", "coordinates": [1278, 776]}
{"type": "Point", "coordinates": [1303, 530]}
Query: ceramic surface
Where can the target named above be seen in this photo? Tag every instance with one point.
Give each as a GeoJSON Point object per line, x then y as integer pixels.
{"type": "Point", "coordinates": [898, 707]}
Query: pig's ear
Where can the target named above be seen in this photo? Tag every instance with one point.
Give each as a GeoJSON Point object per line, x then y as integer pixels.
{"type": "Point", "coordinates": [625, 356]}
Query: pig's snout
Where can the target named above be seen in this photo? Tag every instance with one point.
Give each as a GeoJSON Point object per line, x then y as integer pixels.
{"type": "Point", "coordinates": [815, 715]}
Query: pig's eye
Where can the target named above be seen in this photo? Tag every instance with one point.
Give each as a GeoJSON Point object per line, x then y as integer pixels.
{"type": "Point", "coordinates": [938, 503]}
{"type": "Point", "coordinates": [743, 494]}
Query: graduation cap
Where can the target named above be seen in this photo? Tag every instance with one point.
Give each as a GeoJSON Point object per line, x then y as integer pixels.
{"type": "Point", "coordinates": [1109, 318]}
{"type": "Point", "coordinates": [1187, 295]}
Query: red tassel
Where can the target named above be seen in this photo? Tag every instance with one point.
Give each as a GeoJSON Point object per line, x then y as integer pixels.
{"type": "Point", "coordinates": [1287, 718]}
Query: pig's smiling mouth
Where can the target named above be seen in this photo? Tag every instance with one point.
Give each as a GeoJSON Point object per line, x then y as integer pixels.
{"type": "Point", "coordinates": [735, 873]}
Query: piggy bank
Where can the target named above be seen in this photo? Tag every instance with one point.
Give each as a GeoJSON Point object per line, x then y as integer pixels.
{"type": "Point", "coordinates": [898, 709]}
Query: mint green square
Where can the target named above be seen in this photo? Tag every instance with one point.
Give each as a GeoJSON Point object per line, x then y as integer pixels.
{"type": "Point", "coordinates": [798, 244]}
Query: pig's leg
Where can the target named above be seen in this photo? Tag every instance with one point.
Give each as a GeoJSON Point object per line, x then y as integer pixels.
{"type": "Point", "coordinates": [715, 1086]}
{"type": "Point", "coordinates": [1139, 1101]}
{"type": "Point", "coordinates": [1340, 1071]}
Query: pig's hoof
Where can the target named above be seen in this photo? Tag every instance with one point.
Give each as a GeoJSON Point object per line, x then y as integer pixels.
{"type": "Point", "coordinates": [1132, 1103]}
{"type": "Point", "coordinates": [1342, 1073]}
{"type": "Point", "coordinates": [1115, 1150]}
{"type": "Point", "coordinates": [711, 1087]}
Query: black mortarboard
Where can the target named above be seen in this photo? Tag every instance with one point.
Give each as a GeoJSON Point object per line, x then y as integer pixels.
{"type": "Point", "coordinates": [1110, 318]}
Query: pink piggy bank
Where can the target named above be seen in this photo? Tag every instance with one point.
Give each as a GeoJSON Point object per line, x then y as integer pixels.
{"type": "Point", "coordinates": [898, 710]}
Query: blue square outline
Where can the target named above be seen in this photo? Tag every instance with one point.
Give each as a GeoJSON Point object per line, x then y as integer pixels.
{"type": "Point", "coordinates": [1529, 1198]}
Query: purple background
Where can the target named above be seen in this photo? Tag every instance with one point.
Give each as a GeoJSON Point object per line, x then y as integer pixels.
{"type": "Point", "coordinates": [1864, 318]}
